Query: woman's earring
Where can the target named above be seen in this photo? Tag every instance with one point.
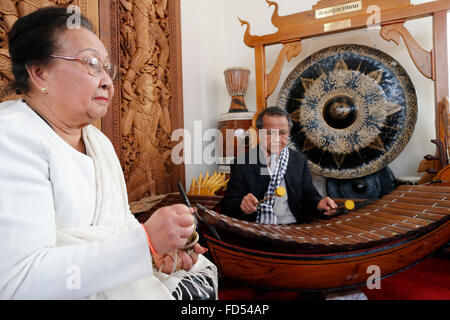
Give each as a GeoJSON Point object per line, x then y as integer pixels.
{"type": "Point", "coordinates": [44, 90]}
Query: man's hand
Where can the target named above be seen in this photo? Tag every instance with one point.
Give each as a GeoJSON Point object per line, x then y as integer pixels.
{"type": "Point", "coordinates": [184, 261]}
{"type": "Point", "coordinates": [248, 204]}
{"type": "Point", "coordinates": [328, 206]}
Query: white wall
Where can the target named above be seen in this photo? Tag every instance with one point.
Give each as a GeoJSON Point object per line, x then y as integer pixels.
{"type": "Point", "coordinates": [212, 40]}
{"type": "Point", "coordinates": [203, 60]}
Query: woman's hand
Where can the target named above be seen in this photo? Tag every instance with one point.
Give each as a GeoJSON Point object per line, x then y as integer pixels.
{"type": "Point", "coordinates": [184, 261]}
{"type": "Point", "coordinates": [170, 227]}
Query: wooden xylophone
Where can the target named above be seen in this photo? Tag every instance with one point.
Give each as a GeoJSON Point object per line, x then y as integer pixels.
{"type": "Point", "coordinates": [405, 212]}
{"type": "Point", "coordinates": [390, 233]}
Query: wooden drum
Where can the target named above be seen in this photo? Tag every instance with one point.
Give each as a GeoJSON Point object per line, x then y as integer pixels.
{"type": "Point", "coordinates": [236, 80]}
{"type": "Point", "coordinates": [235, 123]}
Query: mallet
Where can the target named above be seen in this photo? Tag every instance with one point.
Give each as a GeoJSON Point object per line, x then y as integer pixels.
{"type": "Point", "coordinates": [193, 238]}
{"type": "Point", "coordinates": [279, 192]}
{"type": "Point", "coordinates": [348, 204]}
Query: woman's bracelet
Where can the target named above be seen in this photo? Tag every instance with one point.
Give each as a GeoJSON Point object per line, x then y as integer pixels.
{"type": "Point", "coordinates": [152, 249]}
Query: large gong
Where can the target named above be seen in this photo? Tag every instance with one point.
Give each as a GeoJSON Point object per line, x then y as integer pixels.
{"type": "Point", "coordinates": [354, 109]}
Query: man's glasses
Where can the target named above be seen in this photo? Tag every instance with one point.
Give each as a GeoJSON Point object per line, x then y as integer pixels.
{"type": "Point", "coordinates": [94, 65]}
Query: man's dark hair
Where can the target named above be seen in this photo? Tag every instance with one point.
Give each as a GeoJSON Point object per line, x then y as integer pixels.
{"type": "Point", "coordinates": [273, 111]}
{"type": "Point", "coordinates": [33, 38]}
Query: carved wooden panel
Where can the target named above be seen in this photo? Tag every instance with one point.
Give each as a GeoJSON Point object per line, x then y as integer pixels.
{"type": "Point", "coordinates": [144, 40]}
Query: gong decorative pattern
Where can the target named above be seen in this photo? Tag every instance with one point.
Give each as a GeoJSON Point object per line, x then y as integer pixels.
{"type": "Point", "coordinates": [354, 109]}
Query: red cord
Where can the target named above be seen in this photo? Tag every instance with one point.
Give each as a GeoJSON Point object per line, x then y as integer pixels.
{"type": "Point", "coordinates": [152, 249]}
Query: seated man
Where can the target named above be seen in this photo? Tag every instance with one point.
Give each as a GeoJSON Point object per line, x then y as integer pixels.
{"type": "Point", "coordinates": [270, 165]}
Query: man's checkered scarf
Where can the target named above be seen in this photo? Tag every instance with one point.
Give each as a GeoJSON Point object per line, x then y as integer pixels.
{"type": "Point", "coordinates": [265, 209]}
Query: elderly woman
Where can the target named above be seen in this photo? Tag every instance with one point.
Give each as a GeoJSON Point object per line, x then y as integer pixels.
{"type": "Point", "coordinates": [66, 231]}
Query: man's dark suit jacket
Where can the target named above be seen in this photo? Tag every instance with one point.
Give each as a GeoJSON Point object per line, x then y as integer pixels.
{"type": "Point", "coordinates": [247, 178]}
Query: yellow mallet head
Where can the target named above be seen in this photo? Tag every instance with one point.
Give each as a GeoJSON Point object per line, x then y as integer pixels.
{"type": "Point", "coordinates": [280, 191]}
{"type": "Point", "coordinates": [349, 204]}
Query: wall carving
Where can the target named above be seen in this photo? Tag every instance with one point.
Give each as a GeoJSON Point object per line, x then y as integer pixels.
{"type": "Point", "coordinates": [146, 94]}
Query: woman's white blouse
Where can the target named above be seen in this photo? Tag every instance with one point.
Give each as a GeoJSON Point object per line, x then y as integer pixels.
{"type": "Point", "coordinates": [46, 184]}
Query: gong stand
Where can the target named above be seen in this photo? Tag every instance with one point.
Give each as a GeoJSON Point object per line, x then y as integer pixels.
{"type": "Point", "coordinates": [335, 16]}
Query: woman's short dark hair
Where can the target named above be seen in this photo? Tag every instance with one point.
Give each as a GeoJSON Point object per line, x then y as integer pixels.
{"type": "Point", "coordinates": [33, 38]}
{"type": "Point", "coordinates": [272, 111]}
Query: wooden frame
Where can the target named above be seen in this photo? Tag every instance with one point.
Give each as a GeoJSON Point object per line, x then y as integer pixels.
{"type": "Point", "coordinates": [293, 28]}
{"type": "Point", "coordinates": [109, 34]}
{"type": "Point", "coordinates": [177, 80]}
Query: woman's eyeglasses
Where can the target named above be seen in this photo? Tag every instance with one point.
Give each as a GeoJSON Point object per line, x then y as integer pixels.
{"type": "Point", "coordinates": [94, 65]}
